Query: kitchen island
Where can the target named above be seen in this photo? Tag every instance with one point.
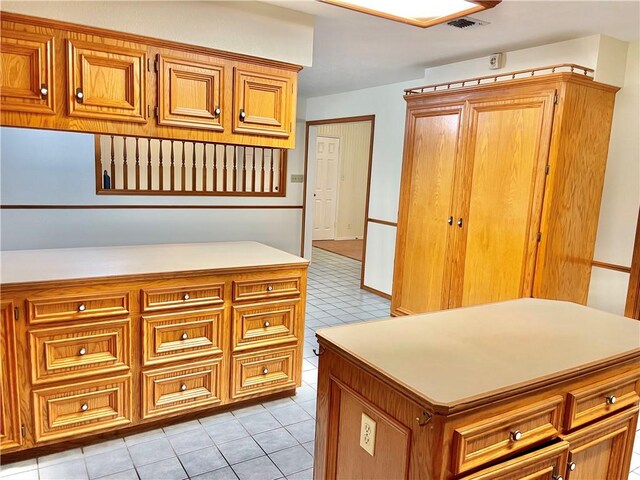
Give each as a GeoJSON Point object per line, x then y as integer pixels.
{"type": "Point", "coordinates": [95, 340]}
{"type": "Point", "coordinates": [529, 388]}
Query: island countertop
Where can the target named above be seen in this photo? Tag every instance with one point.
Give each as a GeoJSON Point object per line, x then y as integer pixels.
{"type": "Point", "coordinates": [453, 358]}
{"type": "Point", "coordinates": [24, 266]}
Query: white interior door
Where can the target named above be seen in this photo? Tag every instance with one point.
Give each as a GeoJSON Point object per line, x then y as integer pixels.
{"type": "Point", "coordinates": [326, 193]}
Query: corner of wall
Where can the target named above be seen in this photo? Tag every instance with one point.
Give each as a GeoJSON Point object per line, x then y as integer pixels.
{"type": "Point", "coordinates": [611, 64]}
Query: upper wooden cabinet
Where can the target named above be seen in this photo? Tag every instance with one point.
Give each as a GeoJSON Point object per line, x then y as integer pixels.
{"type": "Point", "coordinates": [9, 403]}
{"type": "Point", "coordinates": [106, 81]}
{"type": "Point", "coordinates": [26, 71]}
{"type": "Point", "coordinates": [500, 192]}
{"type": "Point", "coordinates": [263, 101]}
{"type": "Point", "coordinates": [190, 92]}
{"type": "Point", "coordinates": [134, 86]}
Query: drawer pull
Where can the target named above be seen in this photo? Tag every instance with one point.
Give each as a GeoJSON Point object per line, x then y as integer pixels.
{"type": "Point", "coordinates": [84, 407]}
{"type": "Point", "coordinates": [611, 399]}
{"type": "Point", "coordinates": [267, 324]}
{"type": "Point", "coordinates": [572, 466]}
{"type": "Point", "coordinates": [265, 371]}
{"type": "Point", "coordinates": [515, 435]}
{"type": "Point", "coordinates": [83, 351]}
{"type": "Point", "coordinates": [269, 288]}
{"type": "Point", "coordinates": [183, 387]}
{"type": "Point", "coordinates": [82, 307]}
{"type": "Point", "coordinates": [184, 336]}
{"type": "Point", "coordinates": [186, 297]}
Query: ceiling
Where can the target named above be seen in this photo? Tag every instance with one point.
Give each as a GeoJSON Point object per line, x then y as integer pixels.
{"type": "Point", "coordinates": [354, 50]}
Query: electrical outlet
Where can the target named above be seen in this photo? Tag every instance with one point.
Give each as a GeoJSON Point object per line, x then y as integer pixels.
{"type": "Point", "coordinates": [297, 178]}
{"type": "Point", "coordinates": [368, 434]}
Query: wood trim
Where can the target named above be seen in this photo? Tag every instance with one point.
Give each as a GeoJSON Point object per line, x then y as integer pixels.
{"type": "Point", "coordinates": [382, 222]}
{"type": "Point", "coordinates": [366, 207]}
{"type": "Point", "coordinates": [377, 292]}
{"type": "Point", "coordinates": [632, 308]}
{"type": "Point", "coordinates": [611, 266]}
{"type": "Point", "coordinates": [156, 42]}
{"type": "Point", "coordinates": [143, 207]}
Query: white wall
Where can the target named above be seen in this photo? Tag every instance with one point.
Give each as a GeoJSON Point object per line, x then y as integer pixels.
{"type": "Point", "coordinates": [251, 28]}
{"type": "Point", "coordinates": [39, 167]}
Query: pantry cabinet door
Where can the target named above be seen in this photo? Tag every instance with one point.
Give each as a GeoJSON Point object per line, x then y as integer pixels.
{"type": "Point", "coordinates": [9, 403]}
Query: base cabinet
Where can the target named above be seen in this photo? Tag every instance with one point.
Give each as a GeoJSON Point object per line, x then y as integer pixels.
{"type": "Point", "coordinates": [10, 428]}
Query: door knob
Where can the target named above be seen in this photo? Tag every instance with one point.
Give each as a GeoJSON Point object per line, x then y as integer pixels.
{"type": "Point", "coordinates": [450, 220]}
{"type": "Point", "coordinates": [243, 115]}
{"type": "Point", "coordinates": [79, 95]}
{"type": "Point", "coordinates": [217, 111]}
{"type": "Point", "coordinates": [44, 91]}
{"type": "Point", "coordinates": [460, 222]}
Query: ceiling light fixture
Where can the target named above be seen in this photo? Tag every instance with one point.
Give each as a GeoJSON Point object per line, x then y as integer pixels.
{"type": "Point", "coordinates": [421, 13]}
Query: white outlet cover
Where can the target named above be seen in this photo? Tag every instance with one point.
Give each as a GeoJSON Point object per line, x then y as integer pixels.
{"type": "Point", "coordinates": [368, 434]}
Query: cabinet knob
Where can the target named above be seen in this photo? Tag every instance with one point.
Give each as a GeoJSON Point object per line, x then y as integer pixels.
{"type": "Point", "coordinates": [243, 115]}
{"type": "Point", "coordinates": [269, 288]}
{"type": "Point", "coordinates": [79, 95]}
{"type": "Point", "coordinates": [267, 324]}
{"type": "Point", "coordinates": [183, 387]}
{"type": "Point", "coordinates": [84, 407]}
{"type": "Point", "coordinates": [186, 297]}
{"type": "Point", "coordinates": [611, 399]}
{"type": "Point", "coordinates": [450, 220]}
{"type": "Point", "coordinates": [82, 307]}
{"type": "Point", "coordinates": [184, 336]}
{"type": "Point", "coordinates": [460, 222]}
{"type": "Point", "coordinates": [44, 91]}
{"type": "Point", "coordinates": [217, 111]}
{"type": "Point", "coordinates": [572, 466]}
{"type": "Point", "coordinates": [557, 477]}
{"type": "Point", "coordinates": [82, 351]}
{"type": "Point", "coordinates": [515, 435]}
{"type": "Point", "coordinates": [265, 371]}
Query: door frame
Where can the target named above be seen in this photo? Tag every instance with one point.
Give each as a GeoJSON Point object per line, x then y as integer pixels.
{"type": "Point", "coordinates": [632, 308]}
{"type": "Point", "coordinates": [311, 123]}
{"type": "Point", "coordinates": [335, 213]}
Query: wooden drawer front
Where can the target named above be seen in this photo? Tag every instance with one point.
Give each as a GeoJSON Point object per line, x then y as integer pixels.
{"type": "Point", "coordinates": [590, 403]}
{"type": "Point", "coordinates": [264, 324]}
{"type": "Point", "coordinates": [170, 390]}
{"type": "Point", "coordinates": [541, 464]}
{"type": "Point", "coordinates": [480, 443]}
{"type": "Point", "coordinates": [178, 297]}
{"type": "Point", "coordinates": [69, 352]}
{"type": "Point", "coordinates": [80, 408]}
{"type": "Point", "coordinates": [180, 336]}
{"type": "Point", "coordinates": [266, 288]}
{"type": "Point", "coordinates": [256, 374]}
{"type": "Point", "coordinates": [43, 310]}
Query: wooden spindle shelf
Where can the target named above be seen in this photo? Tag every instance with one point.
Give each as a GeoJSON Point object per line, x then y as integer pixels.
{"type": "Point", "coordinates": [178, 167]}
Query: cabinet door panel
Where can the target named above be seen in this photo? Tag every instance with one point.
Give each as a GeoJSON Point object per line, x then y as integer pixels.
{"type": "Point", "coordinates": [106, 81]}
{"type": "Point", "coordinates": [190, 93]}
{"type": "Point", "coordinates": [26, 72]}
{"type": "Point", "coordinates": [421, 277]}
{"type": "Point", "coordinates": [9, 402]}
{"type": "Point", "coordinates": [501, 193]}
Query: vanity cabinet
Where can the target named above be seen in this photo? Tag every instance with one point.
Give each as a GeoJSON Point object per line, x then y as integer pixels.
{"type": "Point", "coordinates": [174, 330]}
{"type": "Point", "coordinates": [500, 191]}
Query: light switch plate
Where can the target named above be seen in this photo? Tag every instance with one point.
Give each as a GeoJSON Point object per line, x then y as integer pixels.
{"type": "Point", "coordinates": [368, 434]}
{"type": "Point", "coordinates": [297, 178]}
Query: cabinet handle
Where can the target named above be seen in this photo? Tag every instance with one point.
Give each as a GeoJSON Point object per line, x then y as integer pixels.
{"type": "Point", "coordinates": [460, 222]}
{"type": "Point", "coordinates": [611, 399]}
{"type": "Point", "coordinates": [450, 220]}
{"type": "Point", "coordinates": [84, 407]}
{"type": "Point", "coordinates": [186, 297]}
{"type": "Point", "coordinates": [269, 288]}
{"type": "Point", "coordinates": [184, 336]}
{"type": "Point", "coordinates": [267, 324]}
{"type": "Point", "coordinates": [243, 115]}
{"type": "Point", "coordinates": [571, 466]}
{"type": "Point", "coordinates": [217, 111]}
{"type": "Point", "coordinates": [82, 307]}
{"type": "Point", "coordinates": [515, 435]}
{"type": "Point", "coordinates": [183, 387]}
{"type": "Point", "coordinates": [82, 351]}
{"type": "Point", "coordinates": [44, 91]}
{"type": "Point", "coordinates": [79, 95]}
{"type": "Point", "coordinates": [557, 477]}
{"type": "Point", "coordinates": [265, 371]}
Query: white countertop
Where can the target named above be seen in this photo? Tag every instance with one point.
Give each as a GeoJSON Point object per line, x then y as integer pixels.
{"type": "Point", "coordinates": [22, 266]}
{"type": "Point", "coordinates": [451, 357]}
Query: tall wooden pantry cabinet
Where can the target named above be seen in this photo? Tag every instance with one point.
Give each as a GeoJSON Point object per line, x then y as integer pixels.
{"type": "Point", "coordinates": [500, 190]}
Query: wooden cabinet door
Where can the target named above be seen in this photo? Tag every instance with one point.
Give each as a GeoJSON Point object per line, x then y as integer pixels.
{"type": "Point", "coordinates": [26, 71]}
{"type": "Point", "coordinates": [106, 81]}
{"type": "Point", "coordinates": [603, 451]}
{"type": "Point", "coordinates": [263, 101]}
{"type": "Point", "coordinates": [190, 93]}
{"type": "Point", "coordinates": [425, 220]}
{"type": "Point", "coordinates": [500, 197]}
{"type": "Point", "coordinates": [9, 402]}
